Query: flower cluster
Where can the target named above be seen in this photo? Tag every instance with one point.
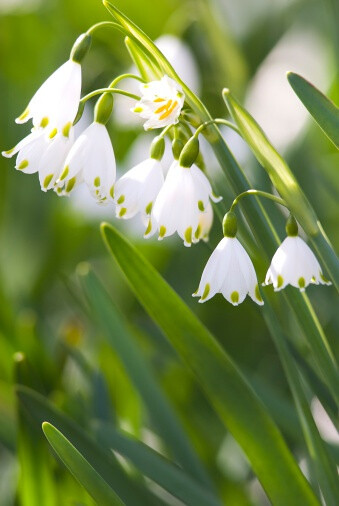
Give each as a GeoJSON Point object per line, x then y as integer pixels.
{"type": "Point", "coordinates": [230, 271]}
{"type": "Point", "coordinates": [179, 202]}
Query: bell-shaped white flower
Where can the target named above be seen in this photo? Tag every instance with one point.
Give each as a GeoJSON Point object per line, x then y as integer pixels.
{"type": "Point", "coordinates": [294, 264]}
{"type": "Point", "coordinates": [91, 159]}
{"type": "Point", "coordinates": [229, 270]}
{"type": "Point", "coordinates": [55, 104]}
{"type": "Point", "coordinates": [161, 103]}
{"type": "Point", "coordinates": [180, 202]}
{"type": "Point", "coordinates": [43, 154]}
{"type": "Point", "coordinates": [137, 190]}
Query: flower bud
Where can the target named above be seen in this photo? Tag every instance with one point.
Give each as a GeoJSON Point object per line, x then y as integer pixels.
{"type": "Point", "coordinates": [229, 224]}
{"type": "Point", "coordinates": [189, 152]}
{"type": "Point", "coordinates": [291, 226]}
{"type": "Point", "coordinates": [81, 47]}
{"type": "Point", "coordinates": [177, 147]}
{"type": "Point", "coordinates": [157, 148]}
{"type": "Point", "coordinates": [103, 108]}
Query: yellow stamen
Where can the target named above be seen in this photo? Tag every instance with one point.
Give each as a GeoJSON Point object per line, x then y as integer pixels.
{"type": "Point", "coordinates": [163, 107]}
{"type": "Point", "coordinates": [169, 111]}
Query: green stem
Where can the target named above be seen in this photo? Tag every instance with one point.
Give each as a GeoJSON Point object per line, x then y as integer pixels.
{"type": "Point", "coordinates": [125, 76]}
{"type": "Point", "coordinates": [108, 90]}
{"type": "Point", "coordinates": [104, 24]}
{"type": "Point", "coordinates": [216, 121]}
{"type": "Point", "coordinates": [259, 193]}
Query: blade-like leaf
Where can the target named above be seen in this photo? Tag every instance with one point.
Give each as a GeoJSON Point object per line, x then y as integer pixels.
{"type": "Point", "coordinates": [36, 484]}
{"type": "Point", "coordinates": [325, 112]}
{"type": "Point", "coordinates": [233, 399]}
{"type": "Point", "coordinates": [102, 461]}
{"type": "Point", "coordinates": [160, 411]}
{"type": "Point", "coordinates": [156, 467]}
{"type": "Point", "coordinates": [95, 485]}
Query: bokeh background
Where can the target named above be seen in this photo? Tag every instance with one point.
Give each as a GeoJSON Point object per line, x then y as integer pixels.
{"type": "Point", "coordinates": [244, 45]}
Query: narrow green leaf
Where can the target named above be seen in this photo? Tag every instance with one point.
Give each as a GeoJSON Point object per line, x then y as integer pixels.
{"type": "Point", "coordinates": [95, 485]}
{"type": "Point", "coordinates": [156, 467]}
{"type": "Point", "coordinates": [102, 461]}
{"type": "Point", "coordinates": [325, 112]}
{"type": "Point", "coordinates": [36, 484]}
{"type": "Point", "coordinates": [324, 466]}
{"type": "Point", "coordinates": [276, 167]}
{"type": "Point", "coordinates": [160, 411]}
{"type": "Point", "coordinates": [284, 181]}
{"type": "Point", "coordinates": [232, 397]}
{"type": "Point", "coordinates": [146, 68]}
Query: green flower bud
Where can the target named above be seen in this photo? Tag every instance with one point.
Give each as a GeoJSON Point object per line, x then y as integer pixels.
{"type": "Point", "coordinates": [229, 224]}
{"type": "Point", "coordinates": [81, 47]}
{"type": "Point", "coordinates": [189, 153]}
{"type": "Point", "coordinates": [291, 226]}
{"type": "Point", "coordinates": [177, 147]}
{"type": "Point", "coordinates": [157, 148]}
{"type": "Point", "coordinates": [103, 108]}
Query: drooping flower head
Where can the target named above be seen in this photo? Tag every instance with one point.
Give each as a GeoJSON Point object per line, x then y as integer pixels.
{"type": "Point", "coordinates": [161, 103]}
{"type": "Point", "coordinates": [91, 158]}
{"type": "Point", "coordinates": [55, 104]}
{"type": "Point", "coordinates": [137, 190]}
{"type": "Point", "coordinates": [43, 154]}
{"type": "Point", "coordinates": [294, 263]}
{"type": "Point", "coordinates": [183, 198]}
{"type": "Point", "coordinates": [229, 270]}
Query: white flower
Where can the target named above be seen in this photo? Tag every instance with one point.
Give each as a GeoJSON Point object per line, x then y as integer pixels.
{"type": "Point", "coordinates": [161, 103]}
{"type": "Point", "coordinates": [91, 159]}
{"type": "Point", "coordinates": [180, 202]}
{"type": "Point", "coordinates": [55, 104]}
{"type": "Point", "coordinates": [229, 271]}
{"type": "Point", "coordinates": [40, 153]}
{"type": "Point", "coordinates": [294, 263]}
{"type": "Point", "coordinates": [137, 190]}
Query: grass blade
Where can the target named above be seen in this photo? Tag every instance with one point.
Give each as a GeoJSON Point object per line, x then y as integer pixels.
{"type": "Point", "coordinates": [161, 412]}
{"type": "Point", "coordinates": [156, 467]}
{"type": "Point", "coordinates": [95, 485]}
{"type": "Point", "coordinates": [231, 396]}
{"type": "Point", "coordinates": [102, 461]}
{"type": "Point", "coordinates": [324, 112]}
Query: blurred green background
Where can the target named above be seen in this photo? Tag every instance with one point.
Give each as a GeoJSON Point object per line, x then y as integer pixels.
{"type": "Point", "coordinates": [246, 46]}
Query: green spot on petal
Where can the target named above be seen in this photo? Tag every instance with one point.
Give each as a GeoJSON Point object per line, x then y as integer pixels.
{"type": "Point", "coordinates": [235, 297]}
{"type": "Point", "coordinates": [111, 192]}
{"type": "Point", "coordinates": [257, 293]}
{"type": "Point", "coordinates": [70, 185]}
{"type": "Point", "coordinates": [44, 122]}
{"type": "Point", "coordinates": [121, 199]}
{"type": "Point", "coordinates": [148, 208]}
{"type": "Point", "coordinates": [149, 227]}
{"type": "Point", "coordinates": [206, 291]}
{"type": "Point", "coordinates": [197, 232]}
{"type": "Point", "coordinates": [122, 212]}
{"type": "Point", "coordinates": [188, 235]}
{"type": "Point", "coordinates": [47, 180]}
{"type": "Point", "coordinates": [64, 173]}
{"type": "Point", "coordinates": [137, 109]}
{"type": "Point", "coordinates": [53, 133]}
{"type": "Point", "coordinates": [23, 115]}
{"type": "Point", "coordinates": [66, 129]}
{"type": "Point", "coordinates": [162, 231]}
{"type": "Point", "coordinates": [201, 206]}
{"type": "Point", "coordinates": [325, 280]}
{"type": "Point", "coordinates": [280, 280]}
{"type": "Point", "coordinates": [23, 164]}
{"type": "Point", "coordinates": [9, 151]}
{"type": "Point", "coordinates": [301, 283]}
{"type": "Point", "coordinates": [97, 181]}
